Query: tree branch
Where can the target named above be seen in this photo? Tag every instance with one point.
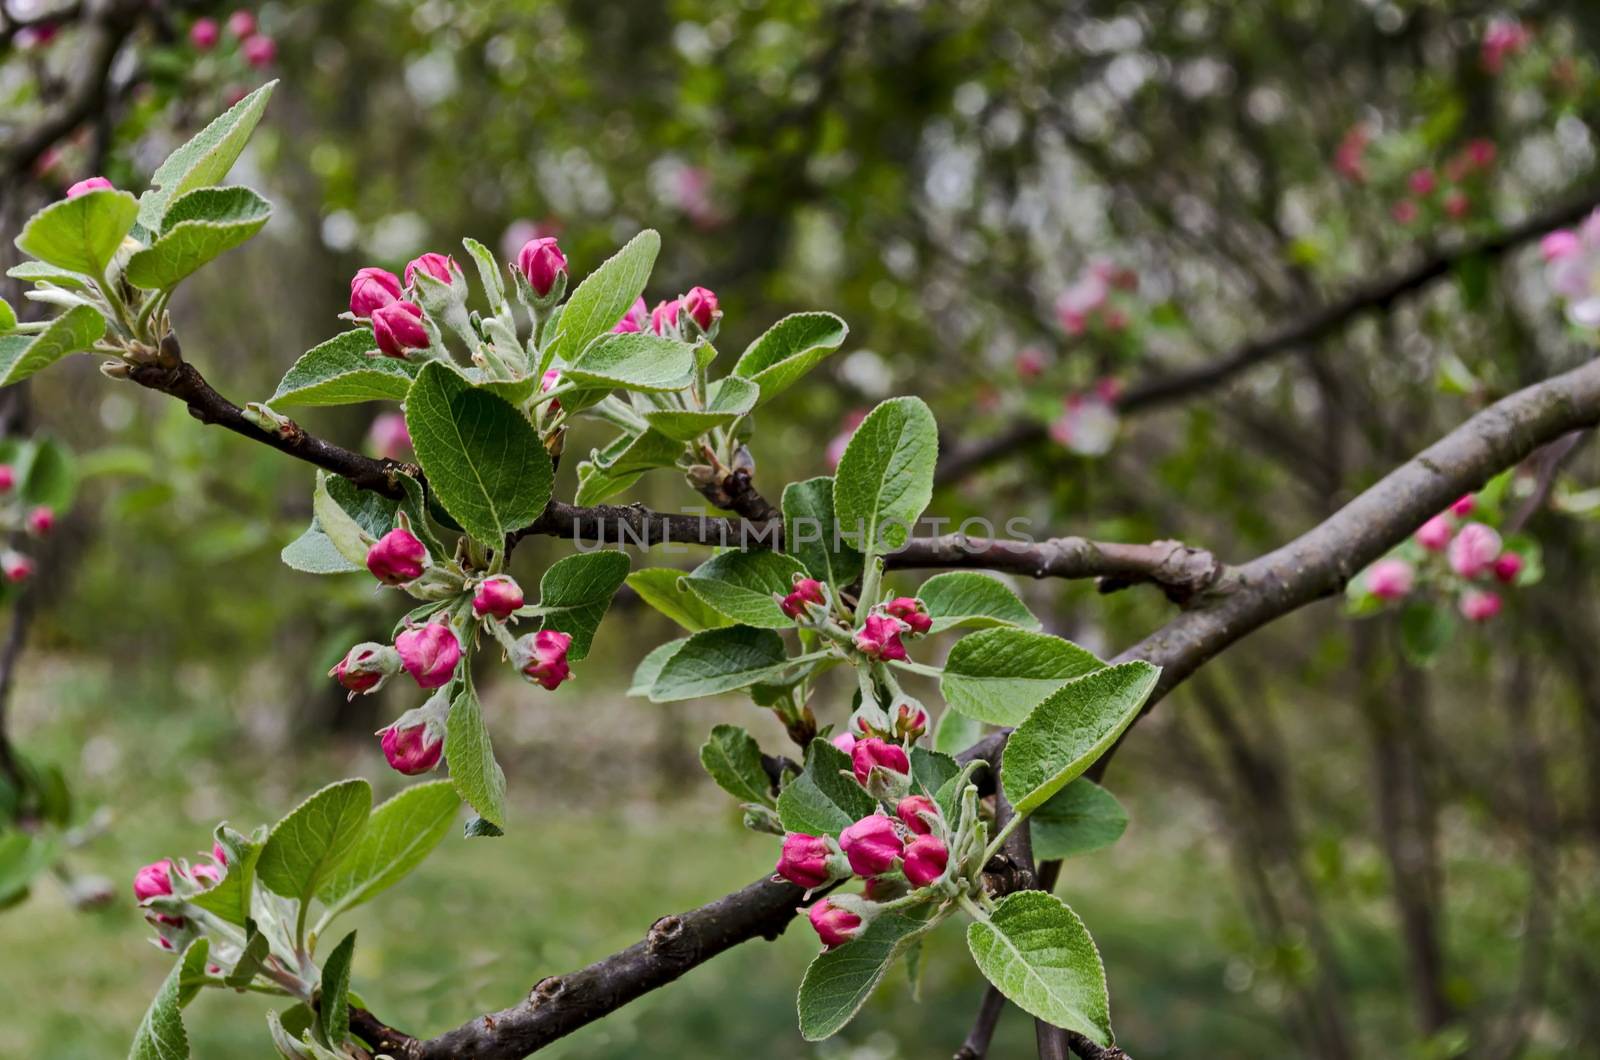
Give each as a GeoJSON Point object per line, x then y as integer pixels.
{"type": "Point", "coordinates": [961, 460]}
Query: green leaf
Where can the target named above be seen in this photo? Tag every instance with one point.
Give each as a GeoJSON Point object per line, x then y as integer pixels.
{"type": "Point", "coordinates": [960, 598]}
{"type": "Point", "coordinates": [80, 235]}
{"type": "Point", "coordinates": [48, 476]}
{"type": "Point", "coordinates": [484, 461]}
{"type": "Point", "coordinates": [1079, 819]}
{"type": "Point", "coordinates": [255, 952]}
{"type": "Point", "coordinates": [733, 758]}
{"type": "Point", "coordinates": [399, 835]}
{"type": "Point", "coordinates": [840, 980]}
{"type": "Point", "coordinates": [197, 229]}
{"type": "Point", "coordinates": [740, 585]}
{"type": "Point", "coordinates": [719, 660]}
{"type": "Point", "coordinates": [349, 537]}
{"type": "Point", "coordinates": [305, 848]}
{"type": "Point", "coordinates": [313, 552]}
{"type": "Point", "coordinates": [788, 350]}
{"type": "Point", "coordinates": [811, 533]}
{"type": "Point", "coordinates": [956, 732]}
{"type": "Point", "coordinates": [22, 858]}
{"type": "Point", "coordinates": [620, 464]}
{"type": "Point", "coordinates": [727, 400]}
{"type": "Point", "coordinates": [467, 748]}
{"type": "Point", "coordinates": [161, 1035]}
{"type": "Point", "coordinates": [999, 675]}
{"type": "Point", "coordinates": [885, 478]}
{"type": "Point", "coordinates": [823, 800]}
{"type": "Point", "coordinates": [205, 159]}
{"type": "Point", "coordinates": [649, 668]}
{"type": "Point", "coordinates": [931, 770]}
{"type": "Point", "coordinates": [8, 317]}
{"type": "Point", "coordinates": [230, 899]}
{"type": "Point", "coordinates": [604, 296]}
{"type": "Point", "coordinates": [1426, 629]}
{"type": "Point", "coordinates": [343, 371]}
{"type": "Point", "coordinates": [632, 361]}
{"type": "Point", "coordinates": [333, 1010]}
{"type": "Point", "coordinates": [661, 588]}
{"type": "Point", "coordinates": [1068, 731]}
{"type": "Point", "coordinates": [576, 591]}
{"type": "Point", "coordinates": [1036, 952]}
{"type": "Point", "coordinates": [79, 328]}
{"type": "Point", "coordinates": [494, 287]}
{"type": "Point", "coordinates": [42, 275]}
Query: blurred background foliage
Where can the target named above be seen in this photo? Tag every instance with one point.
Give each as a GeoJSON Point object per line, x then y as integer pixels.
{"type": "Point", "coordinates": [1333, 851]}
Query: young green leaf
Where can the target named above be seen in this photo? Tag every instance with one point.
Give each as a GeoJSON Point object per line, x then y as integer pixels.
{"type": "Point", "coordinates": [1425, 630]}
{"type": "Point", "coordinates": [81, 234]}
{"type": "Point", "coordinates": [78, 329]}
{"type": "Point", "coordinates": [575, 593]}
{"type": "Point", "coordinates": [399, 835]}
{"type": "Point", "coordinates": [660, 588]}
{"type": "Point", "coordinates": [8, 317]}
{"type": "Point", "coordinates": [966, 598]}
{"type": "Point", "coordinates": [1036, 952]}
{"type": "Point", "coordinates": [811, 533]}
{"type": "Point", "coordinates": [467, 749]}
{"type": "Point", "coordinates": [727, 400]}
{"type": "Point", "coordinates": [345, 370]}
{"type": "Point", "coordinates": [839, 981]}
{"type": "Point", "coordinates": [161, 1035]}
{"type": "Point", "coordinates": [822, 800]}
{"type": "Point", "coordinates": [719, 660]}
{"type": "Point", "coordinates": [349, 537]}
{"type": "Point", "coordinates": [733, 758]}
{"type": "Point", "coordinates": [483, 459]}
{"type": "Point", "coordinates": [931, 770]}
{"type": "Point", "coordinates": [885, 478]}
{"type": "Point", "coordinates": [1079, 819]}
{"type": "Point", "coordinates": [205, 159]}
{"type": "Point", "coordinates": [230, 899]}
{"type": "Point", "coordinates": [633, 361]}
{"type": "Point", "coordinates": [740, 585]}
{"type": "Point", "coordinates": [604, 296]}
{"type": "Point", "coordinates": [48, 475]}
{"type": "Point", "coordinates": [788, 350]}
{"type": "Point", "coordinates": [333, 1011]}
{"type": "Point", "coordinates": [197, 228]}
{"type": "Point", "coordinates": [649, 668]}
{"type": "Point", "coordinates": [305, 848]}
{"type": "Point", "coordinates": [251, 958]}
{"type": "Point", "coordinates": [999, 675]}
{"type": "Point", "coordinates": [494, 287]}
{"type": "Point", "coordinates": [1065, 734]}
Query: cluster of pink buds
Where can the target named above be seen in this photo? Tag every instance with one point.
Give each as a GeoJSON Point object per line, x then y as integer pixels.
{"type": "Point", "coordinates": [807, 593]}
{"type": "Point", "coordinates": [1088, 422]}
{"type": "Point", "coordinates": [1090, 302]}
{"type": "Point", "coordinates": [256, 48]}
{"type": "Point", "coordinates": [1455, 552]}
{"type": "Point", "coordinates": [1572, 267]}
{"type": "Point", "coordinates": [1451, 193]}
{"type": "Point", "coordinates": [688, 316]}
{"type": "Point", "coordinates": [36, 520]}
{"type": "Point", "coordinates": [160, 886]}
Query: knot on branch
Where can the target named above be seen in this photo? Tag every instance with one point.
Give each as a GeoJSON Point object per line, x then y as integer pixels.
{"type": "Point", "coordinates": [546, 990]}
{"type": "Point", "coordinates": [1182, 571]}
{"type": "Point", "coordinates": [735, 491]}
{"type": "Point", "coordinates": [667, 938]}
{"type": "Point", "coordinates": [1004, 875]}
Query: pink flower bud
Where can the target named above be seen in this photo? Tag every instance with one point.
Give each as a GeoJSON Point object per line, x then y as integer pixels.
{"type": "Point", "coordinates": [915, 811]}
{"type": "Point", "coordinates": [833, 925]}
{"type": "Point", "coordinates": [241, 24]}
{"type": "Point", "coordinates": [412, 750]}
{"type": "Point", "coordinates": [219, 855]}
{"type": "Point", "coordinates": [429, 653]}
{"type": "Point", "coordinates": [1474, 549]}
{"type": "Point", "coordinates": [541, 261]}
{"type": "Point", "coordinates": [1479, 606]}
{"type": "Point", "coordinates": [366, 667]}
{"type": "Point", "coordinates": [871, 845]}
{"type": "Point", "coordinates": [1390, 579]}
{"type": "Point", "coordinates": [260, 51]}
{"type": "Point", "coordinates": [701, 305]}
{"type": "Point", "coordinates": [1422, 181]}
{"type": "Point", "coordinates": [84, 187]}
{"type": "Point", "coordinates": [397, 557]}
{"type": "Point", "coordinates": [397, 327]}
{"type": "Point", "coordinates": [388, 437]}
{"type": "Point", "coordinates": [1031, 363]}
{"type": "Point", "coordinates": [1559, 244]}
{"type": "Point", "coordinates": [551, 380]}
{"type": "Point", "coordinates": [1434, 535]}
{"type": "Point", "coordinates": [805, 860]}
{"type": "Point", "coordinates": [439, 266]}
{"type": "Point", "coordinates": [497, 596]}
{"type": "Point", "coordinates": [1404, 212]}
{"type": "Point", "coordinates": [542, 657]}
{"type": "Point", "coordinates": [909, 610]}
{"type": "Point", "coordinates": [925, 859]}
{"type": "Point", "coordinates": [1507, 566]}
{"type": "Point", "coordinates": [1457, 204]}
{"type": "Point", "coordinates": [206, 873]}
{"type": "Point", "coordinates": [844, 741]}
{"type": "Point", "coordinates": [371, 289]}
{"type": "Point", "coordinates": [634, 319]}
{"type": "Point", "coordinates": [879, 638]}
{"type": "Point", "coordinates": [1463, 506]}
{"type": "Point", "coordinates": [910, 720]}
{"type": "Point", "coordinates": [664, 317]}
{"type": "Point", "coordinates": [874, 752]}
{"type": "Point", "coordinates": [8, 478]}
{"type": "Point", "coordinates": [806, 591]}
{"type": "Point", "coordinates": [16, 567]}
{"type": "Point", "coordinates": [1480, 153]}
{"type": "Point", "coordinates": [204, 34]}
{"type": "Point", "coordinates": [153, 881]}
{"type": "Point", "coordinates": [41, 521]}
{"type": "Point", "coordinates": [1348, 159]}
